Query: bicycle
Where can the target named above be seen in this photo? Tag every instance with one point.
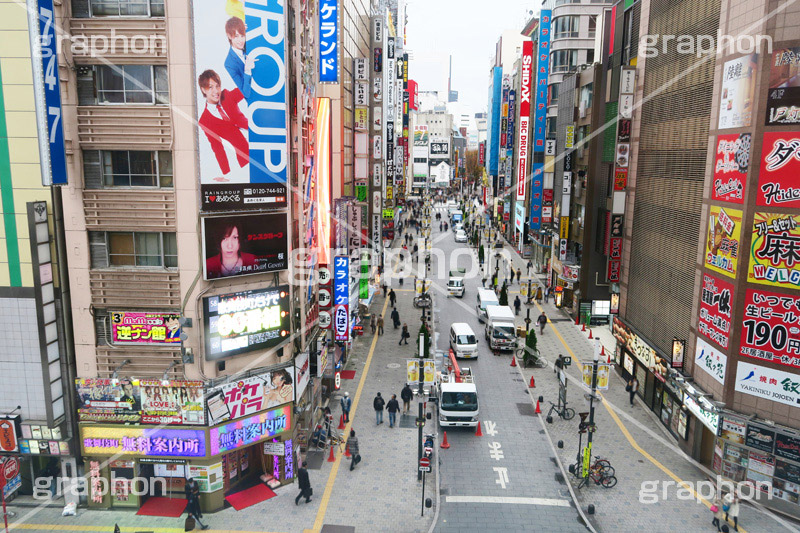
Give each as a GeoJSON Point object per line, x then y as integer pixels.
{"type": "Point", "coordinates": [604, 464]}
{"type": "Point", "coordinates": [534, 360]}
{"type": "Point", "coordinates": [601, 473]}
{"type": "Point", "coordinates": [567, 413]}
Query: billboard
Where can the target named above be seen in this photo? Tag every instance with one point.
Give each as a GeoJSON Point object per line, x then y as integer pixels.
{"type": "Point", "coordinates": [731, 162]}
{"type": "Point", "coordinates": [242, 245]}
{"type": "Point", "coordinates": [783, 97]}
{"type": "Point", "coordinates": [723, 240]}
{"type": "Point", "coordinates": [779, 176]}
{"type": "Point", "coordinates": [139, 441]}
{"type": "Point", "coordinates": [172, 402]}
{"type": "Point", "coordinates": [775, 250]}
{"type": "Point", "coordinates": [108, 400]}
{"type": "Point", "coordinates": [137, 328]}
{"type": "Point", "coordinates": [329, 41]}
{"type": "Point", "coordinates": [341, 298]}
{"type": "Point", "coordinates": [542, 71]}
{"type": "Point", "coordinates": [738, 91]}
{"type": "Point", "coordinates": [710, 360]}
{"type": "Point", "coordinates": [523, 139]}
{"type": "Point", "coordinates": [247, 431]}
{"type": "Point", "coordinates": [715, 310]}
{"type": "Point", "coordinates": [251, 395]}
{"type": "Point", "coordinates": [769, 327]}
{"type": "Point", "coordinates": [245, 321]}
{"type": "Point", "coordinates": [240, 61]}
{"type": "Point", "coordinates": [52, 92]}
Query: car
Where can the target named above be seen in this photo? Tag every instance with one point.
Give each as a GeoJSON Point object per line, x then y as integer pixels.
{"type": "Point", "coordinates": [461, 236]}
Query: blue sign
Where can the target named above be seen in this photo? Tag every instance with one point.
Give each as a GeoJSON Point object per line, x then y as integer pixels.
{"type": "Point", "coordinates": [329, 41]}
{"type": "Point", "coordinates": [537, 178]}
{"type": "Point", "coordinates": [542, 70]}
{"type": "Point", "coordinates": [52, 93]}
{"type": "Point", "coordinates": [493, 146]}
{"type": "Point", "coordinates": [341, 280]}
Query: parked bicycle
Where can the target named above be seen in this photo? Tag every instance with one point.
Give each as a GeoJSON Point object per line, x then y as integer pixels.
{"type": "Point", "coordinates": [604, 464]}
{"type": "Point", "coordinates": [529, 358]}
{"type": "Point", "coordinates": [601, 473]}
{"type": "Point", "coordinates": [567, 413]}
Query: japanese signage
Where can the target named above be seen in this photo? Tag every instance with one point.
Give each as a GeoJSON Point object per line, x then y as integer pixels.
{"type": "Point", "coordinates": [537, 181]}
{"type": "Point", "coordinates": [302, 373]}
{"type": "Point", "coordinates": [240, 61]}
{"type": "Point", "coordinates": [738, 91]}
{"type": "Point", "coordinates": [779, 176]}
{"type": "Point", "coordinates": [412, 371]}
{"type": "Point", "coordinates": [361, 118]}
{"type": "Point", "coordinates": [145, 401]}
{"type": "Point", "coordinates": [768, 383]}
{"type": "Point", "coordinates": [439, 148]}
{"type": "Point", "coordinates": [715, 310]}
{"type": "Point", "coordinates": [634, 344]}
{"type": "Point", "coordinates": [722, 244]}
{"type": "Point", "coordinates": [245, 321]}
{"type": "Point", "coordinates": [542, 71]}
{"type": "Point", "coordinates": [703, 411]}
{"type": "Point", "coordinates": [361, 72]}
{"type": "Point", "coordinates": [131, 327]}
{"type": "Point", "coordinates": [361, 94]}
{"type": "Point", "coordinates": [107, 400]}
{"type": "Point", "coordinates": [523, 139]}
{"type": "Point", "coordinates": [151, 442]}
{"type": "Point", "coordinates": [329, 41]}
{"type": "Point", "coordinates": [712, 361]}
{"type": "Point", "coordinates": [783, 97]}
{"type": "Point", "coordinates": [341, 297]}
{"type": "Point", "coordinates": [787, 446]}
{"type": "Point", "coordinates": [775, 250]}
{"type": "Point", "coordinates": [733, 430]}
{"type": "Point", "coordinates": [250, 395]}
{"type": "Point", "coordinates": [759, 438]}
{"type": "Point", "coordinates": [624, 127]}
{"type": "Point", "coordinates": [244, 245]}
{"type": "Point", "coordinates": [731, 162]}
{"type": "Point", "coordinates": [172, 402]}
{"type": "Point", "coordinates": [770, 327]}
{"type": "Point", "coordinates": [209, 478]}
{"type": "Point", "coordinates": [8, 433]}
{"type": "Point", "coordinates": [377, 59]}
{"type": "Point", "coordinates": [247, 431]}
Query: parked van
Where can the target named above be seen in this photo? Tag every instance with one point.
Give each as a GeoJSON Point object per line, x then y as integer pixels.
{"type": "Point", "coordinates": [501, 330]}
{"type": "Point", "coordinates": [463, 340]}
{"type": "Point", "coordinates": [485, 297]}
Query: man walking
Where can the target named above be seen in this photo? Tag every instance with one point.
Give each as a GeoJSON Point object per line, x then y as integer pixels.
{"type": "Point", "coordinates": [304, 483]}
{"type": "Point", "coordinates": [519, 275]}
{"type": "Point", "coordinates": [404, 335]}
{"type": "Point", "coordinates": [346, 403]}
{"type": "Point", "coordinates": [546, 294]}
{"type": "Point", "coordinates": [395, 318]}
{"type": "Point", "coordinates": [192, 492]}
{"type": "Point", "coordinates": [406, 394]}
{"type": "Point", "coordinates": [352, 447]}
{"type": "Point", "coordinates": [632, 388]}
{"type": "Point", "coordinates": [392, 297]}
{"type": "Point", "coordinates": [380, 324]}
{"type": "Point", "coordinates": [392, 407]}
{"type": "Point", "coordinates": [542, 321]}
{"type": "Point", "coordinates": [378, 404]}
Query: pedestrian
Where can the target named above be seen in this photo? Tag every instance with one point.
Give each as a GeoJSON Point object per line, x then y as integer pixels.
{"type": "Point", "coordinates": [380, 324]}
{"type": "Point", "coordinates": [346, 403]}
{"type": "Point", "coordinates": [632, 387]}
{"type": "Point", "coordinates": [378, 404]}
{"type": "Point", "coordinates": [372, 322]}
{"type": "Point", "coordinates": [392, 297]}
{"type": "Point", "coordinates": [352, 447]}
{"type": "Point", "coordinates": [392, 407]}
{"type": "Point", "coordinates": [546, 294]}
{"type": "Point", "coordinates": [396, 317]}
{"type": "Point", "coordinates": [517, 304]}
{"type": "Point", "coordinates": [483, 282]}
{"type": "Point", "coordinates": [384, 290]}
{"type": "Point", "coordinates": [559, 364]}
{"type": "Point", "coordinates": [539, 295]}
{"type": "Point", "coordinates": [716, 509]}
{"type": "Point", "coordinates": [519, 274]}
{"type": "Point", "coordinates": [542, 321]}
{"type": "Point", "coordinates": [406, 394]}
{"type": "Point", "coordinates": [530, 266]}
{"type": "Point", "coordinates": [304, 484]}
{"type": "Point", "coordinates": [405, 335]}
{"type": "Point", "coordinates": [730, 504]}
{"type": "Point", "coordinates": [192, 492]}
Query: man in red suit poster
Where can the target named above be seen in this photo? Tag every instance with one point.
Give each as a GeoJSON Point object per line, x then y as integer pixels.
{"type": "Point", "coordinates": [222, 120]}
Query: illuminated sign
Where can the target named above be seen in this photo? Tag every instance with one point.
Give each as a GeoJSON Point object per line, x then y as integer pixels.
{"type": "Point", "coordinates": [152, 442]}
{"type": "Point", "coordinates": [328, 41]}
{"type": "Point", "coordinates": [245, 321]}
{"type": "Point", "coordinates": [247, 431]}
{"type": "Point", "coordinates": [251, 395]}
{"type": "Point", "coordinates": [145, 328]}
{"type": "Point", "coordinates": [341, 297]}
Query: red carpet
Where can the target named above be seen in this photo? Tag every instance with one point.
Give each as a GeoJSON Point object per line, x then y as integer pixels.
{"type": "Point", "coordinates": [348, 374]}
{"type": "Point", "coordinates": [251, 496]}
{"type": "Point", "coordinates": [160, 506]}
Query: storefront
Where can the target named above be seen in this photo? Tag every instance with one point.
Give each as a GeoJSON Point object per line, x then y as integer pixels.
{"type": "Point", "coordinates": [563, 285]}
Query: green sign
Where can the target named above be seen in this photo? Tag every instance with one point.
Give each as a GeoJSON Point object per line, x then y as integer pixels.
{"type": "Point", "coordinates": [388, 213]}
{"type": "Point", "coordinates": [363, 282]}
{"type": "Point", "coordinates": [361, 193]}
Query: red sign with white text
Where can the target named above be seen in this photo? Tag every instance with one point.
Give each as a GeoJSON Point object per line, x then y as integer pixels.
{"type": "Point", "coordinates": [771, 328]}
{"type": "Point", "coordinates": [524, 118]}
{"type": "Point", "coordinates": [715, 310]}
{"type": "Point", "coordinates": [731, 161]}
{"type": "Point", "coordinates": [779, 178]}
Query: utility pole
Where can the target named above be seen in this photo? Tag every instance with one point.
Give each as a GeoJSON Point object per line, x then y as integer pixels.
{"type": "Point", "coordinates": [587, 452]}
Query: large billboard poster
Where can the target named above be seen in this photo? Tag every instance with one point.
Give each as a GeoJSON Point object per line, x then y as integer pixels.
{"type": "Point", "coordinates": [250, 395]}
{"type": "Point", "coordinates": [715, 310]}
{"type": "Point", "coordinates": [242, 115]}
{"type": "Point", "coordinates": [723, 241]}
{"type": "Point", "coordinates": [523, 140]}
{"type": "Point", "coordinates": [775, 250]}
{"type": "Point", "coordinates": [134, 327]}
{"type": "Point", "coordinates": [542, 70]}
{"type": "Point", "coordinates": [783, 97]}
{"type": "Point", "coordinates": [731, 162]}
{"type": "Point", "coordinates": [769, 327]}
{"type": "Point", "coordinates": [245, 244]}
{"type": "Point", "coordinates": [779, 176]}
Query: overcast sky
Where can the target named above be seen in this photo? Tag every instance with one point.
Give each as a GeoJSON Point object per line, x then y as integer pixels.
{"type": "Point", "coordinates": [466, 29]}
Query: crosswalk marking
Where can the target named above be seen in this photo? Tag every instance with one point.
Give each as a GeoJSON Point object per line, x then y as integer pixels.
{"type": "Point", "coordinates": [514, 500]}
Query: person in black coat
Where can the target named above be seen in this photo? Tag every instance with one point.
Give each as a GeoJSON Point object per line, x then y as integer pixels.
{"type": "Point", "coordinates": [406, 394]}
{"type": "Point", "coordinates": [192, 492]}
{"type": "Point", "coordinates": [304, 483]}
{"type": "Point", "coordinates": [395, 318]}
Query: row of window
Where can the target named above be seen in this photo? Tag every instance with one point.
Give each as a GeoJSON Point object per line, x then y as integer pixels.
{"type": "Point", "coordinates": [122, 84]}
{"type": "Point", "coordinates": [132, 249]}
{"type": "Point", "coordinates": [118, 8]}
{"type": "Point", "coordinates": [569, 26]}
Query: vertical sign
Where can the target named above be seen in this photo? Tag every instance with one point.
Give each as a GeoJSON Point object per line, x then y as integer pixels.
{"type": "Point", "coordinates": [52, 94]}
{"type": "Point", "coordinates": [539, 117]}
{"type": "Point", "coordinates": [524, 118]}
{"type": "Point", "coordinates": [329, 41]}
{"type": "Point", "coordinates": [341, 297]}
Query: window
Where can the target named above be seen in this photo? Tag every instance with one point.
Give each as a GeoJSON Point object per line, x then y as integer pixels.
{"type": "Point", "coordinates": [466, 339]}
{"type": "Point", "coordinates": [553, 94]}
{"type": "Point", "coordinates": [592, 26]}
{"type": "Point", "coordinates": [627, 32]}
{"type": "Point", "coordinates": [121, 168]}
{"type": "Point", "coordinates": [586, 96]}
{"type": "Point", "coordinates": [127, 8]}
{"type": "Point", "coordinates": [590, 56]}
{"type": "Point", "coordinates": [563, 60]}
{"type": "Point", "coordinates": [459, 401]}
{"type": "Point", "coordinates": [133, 249]}
{"type": "Point", "coordinates": [123, 84]}
{"type": "Point", "coordinates": [566, 26]}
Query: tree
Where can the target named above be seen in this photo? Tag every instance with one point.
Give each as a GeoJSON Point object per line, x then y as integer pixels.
{"type": "Point", "coordinates": [531, 352]}
{"type": "Point", "coordinates": [474, 170]}
{"type": "Point", "coordinates": [503, 300]}
{"type": "Point", "coordinates": [481, 254]}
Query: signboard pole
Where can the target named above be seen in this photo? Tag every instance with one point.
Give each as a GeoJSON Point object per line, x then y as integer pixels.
{"type": "Point", "coordinates": [3, 495]}
{"type": "Point", "coordinates": [591, 408]}
{"type": "Point", "coordinates": [422, 512]}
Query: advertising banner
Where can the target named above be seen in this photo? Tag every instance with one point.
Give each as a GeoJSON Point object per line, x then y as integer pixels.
{"type": "Point", "coordinates": [738, 91]}
{"type": "Point", "coordinates": [440, 149]}
{"type": "Point", "coordinates": [251, 395]}
{"type": "Point", "coordinates": [412, 371]}
{"type": "Point", "coordinates": [783, 97]}
{"type": "Point", "coordinates": [172, 402]}
{"type": "Point", "coordinates": [341, 298]}
{"type": "Point", "coordinates": [722, 244]}
{"type": "Point", "coordinates": [245, 244]}
{"type": "Point", "coordinates": [523, 139]}
{"type": "Point", "coordinates": [537, 181]}
{"type": "Point", "coordinates": [106, 400]}
{"type": "Point", "coordinates": [329, 41]}
{"type": "Point", "coordinates": [715, 310]}
{"type": "Point", "coordinates": [8, 433]}
{"type": "Point", "coordinates": [52, 92]}
{"type": "Point", "coordinates": [775, 250]}
{"type": "Point", "coordinates": [731, 162]}
{"type": "Point", "coordinates": [770, 325]}
{"type": "Point", "coordinates": [136, 328]}
{"type": "Point", "coordinates": [240, 60]}
{"type": "Point", "coordinates": [247, 431]}
{"type": "Point", "coordinates": [245, 321]}
{"type": "Point", "coordinates": [542, 71]}
{"type": "Point", "coordinates": [712, 361]}
{"type": "Point", "coordinates": [302, 373]}
{"type": "Point", "coordinates": [779, 176]}
{"type": "Point", "coordinates": [151, 442]}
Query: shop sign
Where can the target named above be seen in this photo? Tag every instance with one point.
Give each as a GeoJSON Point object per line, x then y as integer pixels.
{"type": "Point", "coordinates": [250, 430]}
{"type": "Point", "coordinates": [10, 476]}
{"type": "Point", "coordinates": [613, 269]}
{"type": "Point", "coordinates": [628, 363]}
{"type": "Point", "coordinates": [274, 448]}
{"type": "Point", "coordinates": [172, 402]}
{"type": "Point", "coordinates": [360, 67]}
{"type": "Point", "coordinates": [783, 97]}
{"type": "Point", "coordinates": [322, 361]}
{"type": "Point", "coordinates": [412, 371]}
{"type": "Point", "coordinates": [704, 413]}
{"type": "Point", "coordinates": [377, 59]}
{"type": "Point", "coordinates": [620, 178]}
{"type": "Point", "coordinates": [715, 310]}
{"type": "Point", "coordinates": [787, 446]}
{"type": "Point", "coordinates": [768, 383]}
{"type": "Point", "coordinates": [624, 130]}
{"type": "Point", "coordinates": [775, 250]}
{"type": "Point", "coordinates": [759, 438]}
{"type": "Point", "coordinates": [738, 88]}
{"type": "Point", "coordinates": [712, 361]}
{"type": "Point", "coordinates": [770, 327]}
{"type": "Point", "coordinates": [571, 272]}
{"type": "Point", "coordinates": [361, 116]}
{"type": "Point", "coordinates": [250, 395]}
{"type": "Point", "coordinates": [341, 297]}
{"type": "Point", "coordinates": [245, 321]}
{"type": "Point", "coordinates": [634, 344]}
{"type": "Point", "coordinates": [722, 243]}
{"type": "Point", "coordinates": [731, 162]}
{"type": "Point", "coordinates": [106, 400]}
{"type": "Point", "coordinates": [302, 372]}
{"type": "Point", "coordinates": [209, 478]}
{"type": "Point", "coordinates": [8, 433]}
{"type": "Point", "coordinates": [779, 176]}
{"type": "Point", "coordinates": [787, 471]}
{"type": "Point", "coordinates": [763, 464]}
{"type": "Point", "coordinates": [733, 430]}
{"type": "Point", "coordinates": [603, 373]}
{"type": "Point", "coordinates": [130, 327]}
{"type": "Point", "coordinates": [329, 41]}
{"type": "Point", "coordinates": [154, 442]}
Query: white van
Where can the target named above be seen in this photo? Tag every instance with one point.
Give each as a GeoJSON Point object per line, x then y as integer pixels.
{"type": "Point", "coordinates": [463, 340]}
{"type": "Point", "coordinates": [485, 297]}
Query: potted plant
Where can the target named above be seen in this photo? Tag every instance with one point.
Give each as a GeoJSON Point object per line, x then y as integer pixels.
{"type": "Point", "coordinates": [531, 353]}
{"type": "Point", "coordinates": [503, 298]}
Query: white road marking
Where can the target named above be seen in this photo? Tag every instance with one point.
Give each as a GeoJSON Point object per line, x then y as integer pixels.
{"type": "Point", "coordinates": [490, 428]}
{"type": "Point", "coordinates": [553, 502]}
{"type": "Point", "coordinates": [502, 473]}
{"type": "Point", "coordinates": [495, 452]}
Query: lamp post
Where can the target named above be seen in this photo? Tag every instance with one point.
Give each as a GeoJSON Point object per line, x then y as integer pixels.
{"type": "Point", "coordinates": [587, 453]}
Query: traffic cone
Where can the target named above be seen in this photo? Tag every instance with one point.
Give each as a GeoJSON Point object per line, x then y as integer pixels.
{"type": "Point", "coordinates": [347, 452]}
{"type": "Point", "coordinates": [478, 432]}
{"type": "Point", "coordinates": [445, 444]}
{"type": "Point", "coordinates": [341, 422]}
{"type": "Point", "coordinates": [577, 319]}
{"type": "Point", "coordinates": [533, 383]}
{"type": "Point", "coordinates": [538, 409]}
{"type": "Point", "coordinates": [602, 350]}
{"type": "Point", "coordinates": [583, 327]}
{"type": "Point", "coordinates": [513, 361]}
{"type": "Point", "coordinates": [331, 458]}
{"type": "Point", "coordinates": [590, 334]}
{"type": "Point", "coordinates": [609, 359]}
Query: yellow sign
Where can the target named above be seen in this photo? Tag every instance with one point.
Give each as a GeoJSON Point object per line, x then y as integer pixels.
{"type": "Point", "coordinates": [360, 118]}
{"type": "Point", "coordinates": [603, 372]}
{"type": "Point", "coordinates": [569, 137]}
{"type": "Point", "coordinates": [388, 213]}
{"type": "Point", "coordinates": [724, 240]}
{"type": "Point", "coordinates": [563, 228]}
{"type": "Point", "coordinates": [418, 285]}
{"type": "Point", "coordinates": [587, 459]}
{"type": "Point", "coordinates": [412, 371]}
{"type": "Point", "coordinates": [389, 192]}
{"type": "Point", "coordinates": [773, 255]}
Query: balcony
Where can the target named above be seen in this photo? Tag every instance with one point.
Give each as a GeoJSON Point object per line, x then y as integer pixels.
{"type": "Point", "coordinates": [121, 210]}
{"type": "Point", "coordinates": [135, 289]}
{"type": "Point", "coordinates": [121, 127]}
{"type": "Point", "coordinates": [119, 40]}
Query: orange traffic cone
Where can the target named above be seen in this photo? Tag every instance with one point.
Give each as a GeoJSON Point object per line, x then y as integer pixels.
{"type": "Point", "coordinates": [533, 383]}
{"type": "Point", "coordinates": [341, 422]}
{"type": "Point", "coordinates": [347, 451]}
{"type": "Point", "coordinates": [602, 350]}
{"type": "Point", "coordinates": [583, 327]}
{"type": "Point", "coordinates": [331, 458]}
{"type": "Point", "coordinates": [590, 334]}
{"type": "Point", "coordinates": [478, 432]}
{"type": "Point", "coordinates": [513, 361]}
{"type": "Point", "coordinates": [577, 319]}
{"type": "Point", "coordinates": [538, 409]}
{"type": "Point", "coordinates": [445, 444]}
{"type": "Point", "coordinates": [609, 359]}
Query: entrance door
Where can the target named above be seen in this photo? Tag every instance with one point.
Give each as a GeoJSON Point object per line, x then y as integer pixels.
{"type": "Point", "coordinates": [706, 446]}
